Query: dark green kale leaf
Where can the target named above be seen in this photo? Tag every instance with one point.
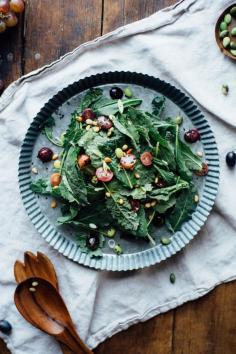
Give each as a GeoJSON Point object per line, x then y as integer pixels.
{"type": "Point", "coordinates": [111, 108]}
{"type": "Point", "coordinates": [142, 230]}
{"type": "Point", "coordinates": [123, 215]}
{"type": "Point", "coordinates": [128, 130]}
{"type": "Point", "coordinates": [186, 160]}
{"type": "Point", "coordinates": [147, 174]}
{"type": "Point", "coordinates": [158, 104]}
{"type": "Point", "coordinates": [47, 129]}
{"type": "Point", "coordinates": [73, 133]}
{"type": "Point", "coordinates": [192, 161]}
{"type": "Point", "coordinates": [96, 214]}
{"type": "Point", "coordinates": [109, 145]}
{"type": "Point", "coordinates": [126, 177]}
{"type": "Point", "coordinates": [182, 211]}
{"type": "Point", "coordinates": [93, 95]}
{"type": "Point", "coordinates": [162, 206]}
{"type": "Point", "coordinates": [69, 213]}
{"type": "Point", "coordinates": [41, 186]}
{"type": "Point", "coordinates": [165, 193]}
{"type": "Point", "coordinates": [73, 178]}
{"type": "Point", "coordinates": [141, 192]}
{"type": "Point", "coordinates": [168, 176]}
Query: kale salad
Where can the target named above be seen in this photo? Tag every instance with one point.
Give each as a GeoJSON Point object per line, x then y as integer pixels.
{"type": "Point", "coordinates": [120, 170]}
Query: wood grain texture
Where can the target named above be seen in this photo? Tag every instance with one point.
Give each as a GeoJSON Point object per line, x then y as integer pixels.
{"type": "Point", "coordinates": [50, 34]}
{"type": "Point", "coordinates": [11, 53]}
{"type": "Point", "coordinates": [205, 326]}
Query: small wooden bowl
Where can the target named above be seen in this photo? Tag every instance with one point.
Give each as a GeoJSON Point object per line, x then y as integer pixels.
{"type": "Point", "coordinates": [217, 31]}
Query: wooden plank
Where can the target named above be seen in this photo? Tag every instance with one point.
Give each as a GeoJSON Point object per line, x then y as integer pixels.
{"type": "Point", "coordinates": [207, 326]}
{"type": "Point", "coordinates": [10, 70]}
{"type": "Point", "coordinates": [53, 30]}
{"type": "Point", "coordinates": [151, 337]}
{"type": "Point", "coordinates": [11, 54]}
{"type": "Point", "coordinates": [121, 12]}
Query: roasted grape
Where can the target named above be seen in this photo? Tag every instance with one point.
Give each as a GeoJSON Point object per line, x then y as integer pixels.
{"type": "Point", "coordinates": [4, 6]}
{"type": "Point", "coordinates": [8, 13]}
{"type": "Point", "coordinates": [17, 6]}
{"type": "Point", "coordinates": [11, 19]}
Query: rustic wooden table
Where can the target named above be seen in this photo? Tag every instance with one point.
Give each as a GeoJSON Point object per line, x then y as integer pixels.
{"type": "Point", "coordinates": [47, 31]}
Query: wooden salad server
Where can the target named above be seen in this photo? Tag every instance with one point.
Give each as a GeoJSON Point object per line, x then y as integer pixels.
{"type": "Point", "coordinates": [38, 300]}
{"type": "Point", "coordinates": [35, 266]}
{"type": "Point", "coordinates": [39, 266]}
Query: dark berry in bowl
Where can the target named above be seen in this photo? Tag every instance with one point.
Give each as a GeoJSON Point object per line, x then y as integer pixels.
{"type": "Point", "coordinates": [104, 122]}
{"type": "Point", "coordinates": [231, 159]}
{"type": "Point", "coordinates": [5, 327]}
{"type": "Point", "coordinates": [92, 242]}
{"type": "Point", "coordinates": [116, 93]}
{"type": "Point", "coordinates": [192, 136]}
{"type": "Point", "coordinates": [88, 113]}
{"type": "Point", "coordinates": [45, 154]}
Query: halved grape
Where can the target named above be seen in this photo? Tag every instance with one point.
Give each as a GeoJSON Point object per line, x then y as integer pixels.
{"type": "Point", "coordinates": [11, 19]}
{"type": "Point", "coordinates": [17, 6]}
{"type": "Point", "coordinates": [128, 161]}
{"type": "Point", "coordinates": [104, 175]}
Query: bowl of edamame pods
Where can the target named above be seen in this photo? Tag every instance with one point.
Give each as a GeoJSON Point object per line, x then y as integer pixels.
{"type": "Point", "coordinates": [225, 32]}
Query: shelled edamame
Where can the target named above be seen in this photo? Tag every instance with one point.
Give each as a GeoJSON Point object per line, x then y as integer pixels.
{"type": "Point", "coordinates": [227, 32]}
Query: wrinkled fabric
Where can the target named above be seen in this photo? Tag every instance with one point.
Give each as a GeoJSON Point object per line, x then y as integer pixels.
{"type": "Point", "coordinates": [177, 45]}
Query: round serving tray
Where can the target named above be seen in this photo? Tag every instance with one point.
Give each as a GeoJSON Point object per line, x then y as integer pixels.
{"type": "Point", "coordinates": [138, 254]}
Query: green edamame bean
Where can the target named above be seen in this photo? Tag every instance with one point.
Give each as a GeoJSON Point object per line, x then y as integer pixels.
{"type": "Point", "coordinates": [223, 26]}
{"type": "Point", "coordinates": [233, 32]}
{"type": "Point", "coordinates": [233, 45]}
{"type": "Point", "coordinates": [224, 33]}
{"type": "Point", "coordinates": [226, 42]}
{"type": "Point", "coordinates": [119, 153]}
{"type": "Point", "coordinates": [128, 93]}
{"type": "Point", "coordinates": [233, 52]}
{"type": "Point", "coordinates": [233, 11]}
{"type": "Point", "coordinates": [228, 19]}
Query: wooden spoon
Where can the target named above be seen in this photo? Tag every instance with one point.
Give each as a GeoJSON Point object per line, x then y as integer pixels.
{"type": "Point", "coordinates": [39, 266]}
{"type": "Point", "coordinates": [37, 300]}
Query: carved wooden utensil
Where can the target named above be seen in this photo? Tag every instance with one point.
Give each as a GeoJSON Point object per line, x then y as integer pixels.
{"type": "Point", "coordinates": [39, 266]}
{"type": "Point", "coordinates": [38, 300]}
{"type": "Point", "coordinates": [35, 266]}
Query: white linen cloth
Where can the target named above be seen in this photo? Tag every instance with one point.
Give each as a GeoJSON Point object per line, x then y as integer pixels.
{"type": "Point", "coordinates": [177, 45]}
